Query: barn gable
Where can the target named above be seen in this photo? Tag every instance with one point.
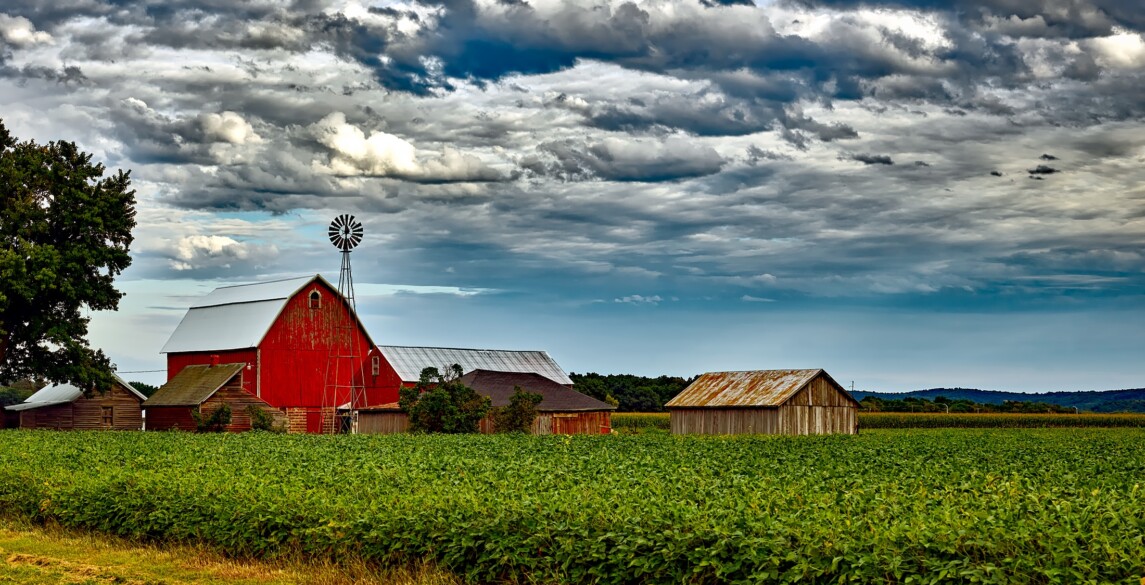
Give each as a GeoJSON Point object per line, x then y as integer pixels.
{"type": "Point", "coordinates": [786, 402]}
{"type": "Point", "coordinates": [236, 317]}
{"type": "Point", "coordinates": [750, 389]}
{"type": "Point", "coordinates": [408, 362]}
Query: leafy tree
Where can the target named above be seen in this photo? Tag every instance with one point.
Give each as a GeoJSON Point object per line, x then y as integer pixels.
{"type": "Point", "coordinates": [518, 415]}
{"type": "Point", "coordinates": [630, 393]}
{"type": "Point", "coordinates": [10, 396]}
{"type": "Point", "coordinates": [441, 403]}
{"type": "Point", "coordinates": [144, 388]}
{"type": "Point", "coordinates": [65, 230]}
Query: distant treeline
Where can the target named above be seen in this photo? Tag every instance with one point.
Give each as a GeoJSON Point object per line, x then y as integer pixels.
{"type": "Point", "coordinates": [630, 393]}
{"type": "Point", "coordinates": [1132, 400]}
{"type": "Point", "coordinates": [944, 404]}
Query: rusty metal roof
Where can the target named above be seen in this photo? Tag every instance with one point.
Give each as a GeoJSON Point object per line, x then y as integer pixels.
{"type": "Point", "coordinates": [193, 385]}
{"type": "Point", "coordinates": [743, 389]}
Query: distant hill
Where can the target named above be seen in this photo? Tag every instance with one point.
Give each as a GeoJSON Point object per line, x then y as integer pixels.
{"type": "Point", "coordinates": [1132, 400]}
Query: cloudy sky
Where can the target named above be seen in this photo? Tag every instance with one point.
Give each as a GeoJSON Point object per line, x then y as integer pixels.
{"type": "Point", "coordinates": [908, 193]}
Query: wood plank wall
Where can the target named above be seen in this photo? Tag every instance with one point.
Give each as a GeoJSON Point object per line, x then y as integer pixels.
{"type": "Point", "coordinates": [382, 423]}
{"type": "Point", "coordinates": [87, 413]}
{"type": "Point", "coordinates": [239, 400]}
{"type": "Point", "coordinates": [818, 409]}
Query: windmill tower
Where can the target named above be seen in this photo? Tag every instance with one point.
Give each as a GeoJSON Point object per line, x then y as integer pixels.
{"type": "Point", "coordinates": [342, 395]}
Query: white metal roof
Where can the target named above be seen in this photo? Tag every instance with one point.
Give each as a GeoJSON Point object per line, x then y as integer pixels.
{"type": "Point", "coordinates": [62, 394]}
{"type": "Point", "coordinates": [249, 293]}
{"type": "Point", "coordinates": [223, 327]}
{"type": "Point", "coordinates": [408, 362]}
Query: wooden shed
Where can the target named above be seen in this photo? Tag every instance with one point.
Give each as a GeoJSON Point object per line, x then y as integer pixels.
{"type": "Point", "coordinates": [306, 350]}
{"type": "Point", "coordinates": [774, 402]}
{"type": "Point", "coordinates": [66, 407]}
{"type": "Point", "coordinates": [562, 411]}
{"type": "Point", "coordinates": [203, 389]}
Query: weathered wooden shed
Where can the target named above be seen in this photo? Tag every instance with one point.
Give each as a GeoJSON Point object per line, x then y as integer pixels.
{"type": "Point", "coordinates": [305, 349]}
{"type": "Point", "coordinates": [66, 407]}
{"type": "Point", "coordinates": [776, 402]}
{"type": "Point", "coordinates": [562, 410]}
{"type": "Point", "coordinates": [203, 389]}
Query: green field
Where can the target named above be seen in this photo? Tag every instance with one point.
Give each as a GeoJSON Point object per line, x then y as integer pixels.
{"type": "Point", "coordinates": [928, 506]}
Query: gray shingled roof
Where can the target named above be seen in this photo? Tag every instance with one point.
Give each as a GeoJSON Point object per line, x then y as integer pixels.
{"type": "Point", "coordinates": [193, 385]}
{"type": "Point", "coordinates": [408, 362]}
{"type": "Point", "coordinates": [498, 386]}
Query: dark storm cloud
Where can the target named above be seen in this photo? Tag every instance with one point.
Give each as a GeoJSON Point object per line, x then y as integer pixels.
{"type": "Point", "coordinates": [623, 160]}
{"type": "Point", "coordinates": [1042, 170]}
{"type": "Point", "coordinates": [1048, 157]}
{"type": "Point", "coordinates": [67, 76]}
{"type": "Point", "coordinates": [1019, 18]}
{"type": "Point", "coordinates": [873, 159]}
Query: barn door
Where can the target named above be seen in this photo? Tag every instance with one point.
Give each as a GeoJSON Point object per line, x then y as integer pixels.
{"type": "Point", "coordinates": [314, 421]}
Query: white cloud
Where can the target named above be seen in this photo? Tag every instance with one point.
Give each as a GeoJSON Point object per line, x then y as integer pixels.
{"type": "Point", "coordinates": [227, 127]}
{"type": "Point", "coordinates": [386, 155]}
{"type": "Point", "coordinates": [202, 251]}
{"type": "Point", "coordinates": [19, 31]}
{"type": "Point", "coordinates": [639, 300]}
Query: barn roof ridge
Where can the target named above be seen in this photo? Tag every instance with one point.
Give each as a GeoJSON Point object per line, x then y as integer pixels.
{"type": "Point", "coordinates": [408, 360]}
{"type": "Point", "coordinates": [748, 388]}
{"type": "Point", "coordinates": [249, 318]}
{"type": "Point", "coordinates": [463, 348]}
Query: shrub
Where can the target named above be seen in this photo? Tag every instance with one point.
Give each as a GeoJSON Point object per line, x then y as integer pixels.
{"type": "Point", "coordinates": [440, 403]}
{"type": "Point", "coordinates": [261, 420]}
{"type": "Point", "coordinates": [518, 415]}
{"type": "Point", "coordinates": [215, 422]}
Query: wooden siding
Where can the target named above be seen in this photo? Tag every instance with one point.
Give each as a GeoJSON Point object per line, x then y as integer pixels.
{"type": "Point", "coordinates": [817, 409]}
{"type": "Point", "coordinates": [239, 401]}
{"type": "Point", "coordinates": [170, 418]}
{"type": "Point", "coordinates": [382, 423]}
{"type": "Point", "coordinates": [87, 413]}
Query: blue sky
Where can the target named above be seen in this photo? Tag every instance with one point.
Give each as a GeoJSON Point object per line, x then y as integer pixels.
{"type": "Point", "coordinates": [909, 194]}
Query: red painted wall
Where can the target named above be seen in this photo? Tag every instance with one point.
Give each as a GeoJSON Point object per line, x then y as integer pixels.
{"type": "Point", "coordinates": [291, 364]}
{"type": "Point", "coordinates": [177, 361]}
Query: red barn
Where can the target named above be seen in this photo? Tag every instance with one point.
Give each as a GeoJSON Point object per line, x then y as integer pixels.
{"type": "Point", "coordinates": [305, 351]}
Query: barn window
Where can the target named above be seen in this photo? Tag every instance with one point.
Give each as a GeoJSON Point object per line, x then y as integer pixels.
{"type": "Point", "coordinates": [315, 300]}
{"type": "Point", "coordinates": [376, 365]}
{"type": "Point", "coordinates": [108, 417]}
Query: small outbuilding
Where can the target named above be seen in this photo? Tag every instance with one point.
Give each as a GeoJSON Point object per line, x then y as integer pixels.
{"type": "Point", "coordinates": [774, 402]}
{"type": "Point", "coordinates": [562, 410]}
{"type": "Point", "coordinates": [66, 407]}
{"type": "Point", "coordinates": [203, 389]}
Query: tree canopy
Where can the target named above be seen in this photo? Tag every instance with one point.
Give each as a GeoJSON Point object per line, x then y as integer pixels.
{"type": "Point", "coordinates": [65, 231]}
{"type": "Point", "coordinates": [441, 403]}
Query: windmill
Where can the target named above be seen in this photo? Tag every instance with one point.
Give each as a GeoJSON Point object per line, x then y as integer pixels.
{"type": "Point", "coordinates": [345, 233]}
